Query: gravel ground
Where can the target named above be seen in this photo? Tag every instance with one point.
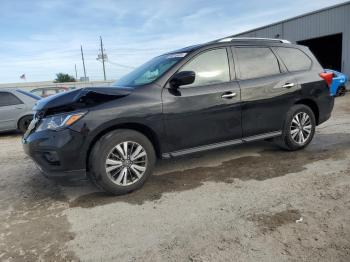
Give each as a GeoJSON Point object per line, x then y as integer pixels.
{"type": "Point", "coordinates": [246, 203]}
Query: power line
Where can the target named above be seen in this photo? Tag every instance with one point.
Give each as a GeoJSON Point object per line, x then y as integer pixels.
{"type": "Point", "coordinates": [120, 65]}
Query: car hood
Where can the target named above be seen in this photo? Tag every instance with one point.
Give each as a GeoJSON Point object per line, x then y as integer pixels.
{"type": "Point", "coordinates": [79, 99]}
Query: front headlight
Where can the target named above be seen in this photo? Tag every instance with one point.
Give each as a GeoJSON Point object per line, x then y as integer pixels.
{"type": "Point", "coordinates": [58, 122]}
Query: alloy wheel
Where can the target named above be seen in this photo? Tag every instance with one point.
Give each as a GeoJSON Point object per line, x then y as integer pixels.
{"type": "Point", "coordinates": [301, 128]}
{"type": "Point", "coordinates": [126, 163]}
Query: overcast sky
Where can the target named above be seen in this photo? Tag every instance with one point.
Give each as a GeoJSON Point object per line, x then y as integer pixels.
{"type": "Point", "coordinates": [40, 38]}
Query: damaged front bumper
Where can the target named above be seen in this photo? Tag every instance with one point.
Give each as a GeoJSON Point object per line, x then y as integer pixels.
{"type": "Point", "coordinates": [56, 153]}
{"type": "Point", "coordinates": [63, 151]}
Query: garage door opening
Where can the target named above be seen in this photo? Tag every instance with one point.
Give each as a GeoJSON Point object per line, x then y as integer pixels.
{"type": "Point", "coordinates": [327, 49]}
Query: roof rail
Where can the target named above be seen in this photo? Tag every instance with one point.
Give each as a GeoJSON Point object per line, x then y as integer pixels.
{"type": "Point", "coordinates": [229, 39]}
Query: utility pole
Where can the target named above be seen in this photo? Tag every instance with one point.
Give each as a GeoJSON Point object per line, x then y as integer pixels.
{"type": "Point", "coordinates": [103, 59]}
{"type": "Point", "coordinates": [82, 58]}
{"type": "Point", "coordinates": [76, 72]}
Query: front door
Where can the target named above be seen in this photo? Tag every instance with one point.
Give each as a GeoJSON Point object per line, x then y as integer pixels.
{"type": "Point", "coordinates": [206, 112]}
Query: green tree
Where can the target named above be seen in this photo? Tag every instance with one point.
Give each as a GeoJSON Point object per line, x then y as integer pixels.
{"type": "Point", "coordinates": [61, 78]}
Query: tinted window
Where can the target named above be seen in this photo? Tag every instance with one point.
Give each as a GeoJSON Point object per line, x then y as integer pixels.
{"type": "Point", "coordinates": [294, 59]}
{"type": "Point", "coordinates": [8, 99]}
{"type": "Point", "coordinates": [256, 62]}
{"type": "Point", "coordinates": [210, 67]}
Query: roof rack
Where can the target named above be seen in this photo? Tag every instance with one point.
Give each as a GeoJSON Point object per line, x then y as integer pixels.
{"type": "Point", "coordinates": [229, 39]}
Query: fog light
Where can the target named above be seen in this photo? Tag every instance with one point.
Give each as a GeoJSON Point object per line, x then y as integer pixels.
{"type": "Point", "coordinates": [51, 157]}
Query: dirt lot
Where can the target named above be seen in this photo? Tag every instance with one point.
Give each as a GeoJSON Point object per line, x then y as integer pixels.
{"type": "Point", "coordinates": [236, 204]}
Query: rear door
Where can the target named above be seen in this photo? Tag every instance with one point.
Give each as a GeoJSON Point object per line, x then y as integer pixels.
{"type": "Point", "coordinates": [10, 108]}
{"type": "Point", "coordinates": [207, 111]}
{"type": "Point", "coordinates": [267, 89]}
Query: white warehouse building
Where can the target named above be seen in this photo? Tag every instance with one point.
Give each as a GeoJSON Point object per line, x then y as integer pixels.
{"type": "Point", "coordinates": [326, 32]}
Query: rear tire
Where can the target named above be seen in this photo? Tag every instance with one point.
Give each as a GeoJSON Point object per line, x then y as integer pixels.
{"type": "Point", "coordinates": [23, 123]}
{"type": "Point", "coordinates": [121, 161]}
{"type": "Point", "coordinates": [298, 129]}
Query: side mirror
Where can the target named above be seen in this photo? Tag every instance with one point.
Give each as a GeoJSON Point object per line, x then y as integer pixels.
{"type": "Point", "coordinates": [182, 78]}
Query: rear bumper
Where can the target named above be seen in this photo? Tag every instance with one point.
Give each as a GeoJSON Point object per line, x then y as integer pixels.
{"type": "Point", "coordinates": [57, 153]}
{"type": "Point", "coordinates": [325, 105]}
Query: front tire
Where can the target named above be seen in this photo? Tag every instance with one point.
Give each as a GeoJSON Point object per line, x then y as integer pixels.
{"type": "Point", "coordinates": [299, 128]}
{"type": "Point", "coordinates": [23, 123]}
{"type": "Point", "coordinates": [121, 161]}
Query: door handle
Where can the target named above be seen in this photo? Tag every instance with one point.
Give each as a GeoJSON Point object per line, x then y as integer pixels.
{"type": "Point", "coordinates": [228, 95]}
{"type": "Point", "coordinates": [288, 85]}
{"type": "Point", "coordinates": [19, 107]}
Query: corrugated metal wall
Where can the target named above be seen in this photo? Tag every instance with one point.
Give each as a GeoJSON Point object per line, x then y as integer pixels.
{"type": "Point", "coordinates": [327, 22]}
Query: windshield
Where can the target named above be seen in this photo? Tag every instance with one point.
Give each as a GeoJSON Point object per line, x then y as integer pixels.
{"type": "Point", "coordinates": [150, 71]}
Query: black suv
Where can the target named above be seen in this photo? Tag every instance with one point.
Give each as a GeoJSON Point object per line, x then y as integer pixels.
{"type": "Point", "coordinates": [202, 97]}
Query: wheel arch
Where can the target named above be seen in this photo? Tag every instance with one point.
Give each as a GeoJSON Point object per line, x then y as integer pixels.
{"type": "Point", "coordinates": [143, 129]}
{"type": "Point", "coordinates": [313, 105]}
{"type": "Point", "coordinates": [23, 116]}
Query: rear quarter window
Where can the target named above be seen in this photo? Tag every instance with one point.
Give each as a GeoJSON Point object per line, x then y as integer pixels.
{"type": "Point", "coordinates": [294, 59]}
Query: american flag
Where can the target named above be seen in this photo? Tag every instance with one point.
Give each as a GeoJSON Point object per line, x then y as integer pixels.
{"type": "Point", "coordinates": [23, 77]}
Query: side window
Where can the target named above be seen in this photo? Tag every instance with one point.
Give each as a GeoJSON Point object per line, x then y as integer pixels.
{"type": "Point", "coordinates": [210, 67]}
{"type": "Point", "coordinates": [294, 59]}
{"type": "Point", "coordinates": [8, 99]}
{"type": "Point", "coordinates": [256, 62]}
{"type": "Point", "coordinates": [50, 92]}
{"type": "Point", "coordinates": [37, 92]}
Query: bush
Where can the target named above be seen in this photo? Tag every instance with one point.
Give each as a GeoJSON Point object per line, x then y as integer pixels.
{"type": "Point", "coordinates": [61, 78]}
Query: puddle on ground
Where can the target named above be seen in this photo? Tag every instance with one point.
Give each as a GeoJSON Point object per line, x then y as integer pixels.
{"type": "Point", "coordinates": [272, 163]}
{"type": "Point", "coordinates": [270, 222]}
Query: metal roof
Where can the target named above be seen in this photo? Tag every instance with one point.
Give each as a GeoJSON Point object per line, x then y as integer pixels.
{"type": "Point", "coordinates": [293, 18]}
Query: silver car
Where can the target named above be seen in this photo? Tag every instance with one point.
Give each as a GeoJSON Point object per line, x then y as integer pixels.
{"type": "Point", "coordinates": [16, 109]}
